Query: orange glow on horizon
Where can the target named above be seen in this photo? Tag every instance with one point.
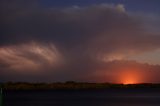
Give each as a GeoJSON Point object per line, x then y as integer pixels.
{"type": "Point", "coordinates": [130, 77]}
{"type": "Point", "coordinates": [129, 82]}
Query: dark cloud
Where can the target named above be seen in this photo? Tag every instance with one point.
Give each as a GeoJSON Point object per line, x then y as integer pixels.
{"type": "Point", "coordinates": [84, 36]}
{"type": "Point", "coordinates": [102, 25]}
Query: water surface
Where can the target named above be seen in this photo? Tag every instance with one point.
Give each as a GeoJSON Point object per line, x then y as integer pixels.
{"type": "Point", "coordinates": [108, 97]}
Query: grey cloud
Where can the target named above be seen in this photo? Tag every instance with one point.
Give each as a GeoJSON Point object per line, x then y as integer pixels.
{"type": "Point", "coordinates": [103, 25]}
{"type": "Point", "coordinates": [81, 34]}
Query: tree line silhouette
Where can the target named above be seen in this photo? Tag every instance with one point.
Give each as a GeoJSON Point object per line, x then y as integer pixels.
{"type": "Point", "coordinates": [71, 85]}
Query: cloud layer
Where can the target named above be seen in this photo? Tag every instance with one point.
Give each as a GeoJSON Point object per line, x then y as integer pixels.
{"type": "Point", "coordinates": [73, 43]}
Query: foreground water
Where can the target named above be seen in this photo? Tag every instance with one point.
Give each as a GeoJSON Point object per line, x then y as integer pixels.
{"type": "Point", "coordinates": [109, 97]}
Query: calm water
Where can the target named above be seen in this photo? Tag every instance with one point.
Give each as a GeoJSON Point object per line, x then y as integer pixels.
{"type": "Point", "coordinates": [110, 97]}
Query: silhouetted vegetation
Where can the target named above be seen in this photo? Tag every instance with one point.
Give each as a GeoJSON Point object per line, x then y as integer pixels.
{"type": "Point", "coordinates": [72, 85]}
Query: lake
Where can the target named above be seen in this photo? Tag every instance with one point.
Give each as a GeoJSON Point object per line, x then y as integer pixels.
{"type": "Point", "coordinates": [106, 97]}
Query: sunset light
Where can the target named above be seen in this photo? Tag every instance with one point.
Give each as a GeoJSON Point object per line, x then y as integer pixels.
{"type": "Point", "coordinates": [130, 77]}
{"type": "Point", "coordinates": [129, 81]}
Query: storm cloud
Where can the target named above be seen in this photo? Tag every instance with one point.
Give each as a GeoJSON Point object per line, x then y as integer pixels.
{"type": "Point", "coordinates": [70, 43]}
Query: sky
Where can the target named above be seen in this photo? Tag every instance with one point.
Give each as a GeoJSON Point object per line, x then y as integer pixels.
{"type": "Point", "coordinates": [115, 41]}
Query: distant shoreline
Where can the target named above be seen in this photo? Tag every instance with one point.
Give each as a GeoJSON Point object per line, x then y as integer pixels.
{"type": "Point", "coordinates": [70, 85]}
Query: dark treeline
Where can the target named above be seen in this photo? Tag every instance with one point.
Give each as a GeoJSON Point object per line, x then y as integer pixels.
{"type": "Point", "coordinates": [71, 85]}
